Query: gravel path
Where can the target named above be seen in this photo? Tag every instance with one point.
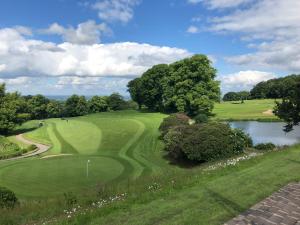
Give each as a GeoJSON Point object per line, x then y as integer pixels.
{"type": "Point", "coordinates": [40, 148]}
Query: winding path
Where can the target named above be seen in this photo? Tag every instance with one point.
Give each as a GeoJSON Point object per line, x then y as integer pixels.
{"type": "Point", "coordinates": [41, 148]}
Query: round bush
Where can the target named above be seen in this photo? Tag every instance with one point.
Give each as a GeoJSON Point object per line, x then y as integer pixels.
{"type": "Point", "coordinates": [265, 146]}
{"type": "Point", "coordinates": [201, 118]}
{"type": "Point", "coordinates": [173, 120]}
{"type": "Point", "coordinates": [8, 198]}
{"type": "Point", "coordinates": [205, 142]}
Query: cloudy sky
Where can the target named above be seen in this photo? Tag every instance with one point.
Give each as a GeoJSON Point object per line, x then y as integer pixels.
{"type": "Point", "coordinates": [60, 47]}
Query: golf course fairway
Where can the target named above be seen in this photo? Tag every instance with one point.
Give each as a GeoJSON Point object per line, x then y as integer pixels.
{"type": "Point", "coordinates": [120, 145]}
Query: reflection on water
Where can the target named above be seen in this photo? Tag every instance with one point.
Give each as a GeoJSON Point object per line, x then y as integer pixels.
{"type": "Point", "coordinates": [262, 132]}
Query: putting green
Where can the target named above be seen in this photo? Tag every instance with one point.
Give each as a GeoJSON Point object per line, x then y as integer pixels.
{"type": "Point", "coordinates": [120, 145]}
{"type": "Point", "coordinates": [51, 176]}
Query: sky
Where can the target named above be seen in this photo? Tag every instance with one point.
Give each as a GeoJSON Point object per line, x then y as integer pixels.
{"type": "Point", "coordinates": [61, 47]}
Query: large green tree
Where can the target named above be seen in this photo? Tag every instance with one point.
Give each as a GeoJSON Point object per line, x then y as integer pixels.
{"type": "Point", "coordinates": [11, 114]}
{"type": "Point", "coordinates": [97, 104]}
{"type": "Point", "coordinates": [135, 90]}
{"type": "Point", "coordinates": [37, 106]}
{"type": "Point", "coordinates": [184, 86]}
{"type": "Point", "coordinates": [116, 101]}
{"type": "Point", "coordinates": [289, 108]}
{"type": "Point", "coordinates": [76, 106]}
{"type": "Point", "coordinates": [275, 88]}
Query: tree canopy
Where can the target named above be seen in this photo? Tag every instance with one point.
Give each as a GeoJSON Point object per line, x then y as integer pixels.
{"type": "Point", "coordinates": [236, 96]}
{"type": "Point", "coordinates": [275, 88]}
{"type": "Point", "coordinates": [289, 108]}
{"type": "Point", "coordinates": [186, 86]}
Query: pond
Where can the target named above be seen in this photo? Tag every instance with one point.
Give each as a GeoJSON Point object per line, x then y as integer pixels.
{"type": "Point", "coordinates": [263, 132]}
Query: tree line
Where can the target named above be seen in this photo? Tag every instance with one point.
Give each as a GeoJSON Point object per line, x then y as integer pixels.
{"type": "Point", "coordinates": [187, 85]}
{"type": "Point", "coordinates": [16, 109]}
{"type": "Point", "coordinates": [274, 88]}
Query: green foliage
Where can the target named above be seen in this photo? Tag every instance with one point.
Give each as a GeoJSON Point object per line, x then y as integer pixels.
{"type": "Point", "coordinates": [116, 102]}
{"type": "Point", "coordinates": [275, 88]}
{"type": "Point", "coordinates": [38, 107]}
{"type": "Point", "coordinates": [209, 142]}
{"type": "Point", "coordinates": [176, 119]}
{"type": "Point", "coordinates": [236, 96]}
{"type": "Point", "coordinates": [70, 199]}
{"type": "Point", "coordinates": [11, 106]}
{"type": "Point", "coordinates": [55, 109]}
{"type": "Point", "coordinates": [201, 118]}
{"type": "Point", "coordinates": [76, 106]}
{"type": "Point", "coordinates": [98, 104]}
{"type": "Point", "coordinates": [265, 146]}
{"type": "Point", "coordinates": [135, 90]}
{"type": "Point", "coordinates": [205, 142]}
{"type": "Point", "coordinates": [241, 140]}
{"type": "Point", "coordinates": [184, 86]}
{"type": "Point", "coordinates": [289, 108]}
{"type": "Point", "coordinates": [8, 198]}
{"type": "Point", "coordinates": [7, 147]}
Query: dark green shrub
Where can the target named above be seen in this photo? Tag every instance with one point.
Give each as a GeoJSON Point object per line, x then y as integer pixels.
{"type": "Point", "coordinates": [201, 118]}
{"type": "Point", "coordinates": [8, 198]}
{"type": "Point", "coordinates": [265, 146]}
{"type": "Point", "coordinates": [173, 120]}
{"type": "Point", "coordinates": [205, 142]}
{"type": "Point", "coordinates": [241, 139]}
{"type": "Point", "coordinates": [70, 199]}
{"type": "Point", "coordinates": [173, 140]}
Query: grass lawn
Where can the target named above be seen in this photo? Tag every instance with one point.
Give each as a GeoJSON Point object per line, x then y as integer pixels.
{"type": "Point", "coordinates": [125, 145]}
{"type": "Point", "coordinates": [203, 197]}
{"type": "Point", "coordinates": [250, 110]}
{"type": "Point", "coordinates": [121, 145]}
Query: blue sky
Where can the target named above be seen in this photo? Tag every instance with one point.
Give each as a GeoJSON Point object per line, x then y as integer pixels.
{"type": "Point", "coordinates": [60, 47]}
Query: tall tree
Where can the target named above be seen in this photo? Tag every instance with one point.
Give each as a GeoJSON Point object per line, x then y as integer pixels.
{"type": "Point", "coordinates": [97, 104]}
{"type": "Point", "coordinates": [116, 101]}
{"type": "Point", "coordinates": [289, 108]}
{"type": "Point", "coordinates": [191, 87]}
{"type": "Point", "coordinates": [76, 106]}
{"type": "Point", "coordinates": [10, 110]}
{"type": "Point", "coordinates": [135, 90]}
{"type": "Point", "coordinates": [184, 86]}
{"type": "Point", "coordinates": [38, 107]}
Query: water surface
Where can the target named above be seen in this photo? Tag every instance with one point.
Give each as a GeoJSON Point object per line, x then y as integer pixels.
{"type": "Point", "coordinates": [263, 132]}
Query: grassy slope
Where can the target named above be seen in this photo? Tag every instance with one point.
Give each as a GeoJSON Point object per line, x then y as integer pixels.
{"type": "Point", "coordinates": [120, 145]}
{"type": "Point", "coordinates": [205, 197]}
{"type": "Point", "coordinates": [250, 110]}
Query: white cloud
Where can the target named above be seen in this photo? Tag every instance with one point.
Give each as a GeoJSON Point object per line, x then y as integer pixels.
{"type": "Point", "coordinates": [244, 80]}
{"type": "Point", "coordinates": [192, 29]}
{"type": "Point", "coordinates": [220, 4]}
{"type": "Point", "coordinates": [86, 33]}
{"type": "Point", "coordinates": [115, 10]}
{"type": "Point", "coordinates": [2, 67]}
{"type": "Point", "coordinates": [275, 23]}
{"type": "Point", "coordinates": [21, 55]}
{"type": "Point", "coordinates": [16, 81]}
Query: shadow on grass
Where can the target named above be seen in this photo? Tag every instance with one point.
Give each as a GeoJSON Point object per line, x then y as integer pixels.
{"type": "Point", "coordinates": [225, 202]}
{"type": "Point", "coordinates": [182, 162]}
{"type": "Point", "coordinates": [294, 161]}
{"type": "Point", "coordinates": [23, 130]}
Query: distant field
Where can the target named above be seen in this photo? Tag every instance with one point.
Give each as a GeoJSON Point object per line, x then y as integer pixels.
{"type": "Point", "coordinates": [120, 145]}
{"type": "Point", "coordinates": [250, 110]}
